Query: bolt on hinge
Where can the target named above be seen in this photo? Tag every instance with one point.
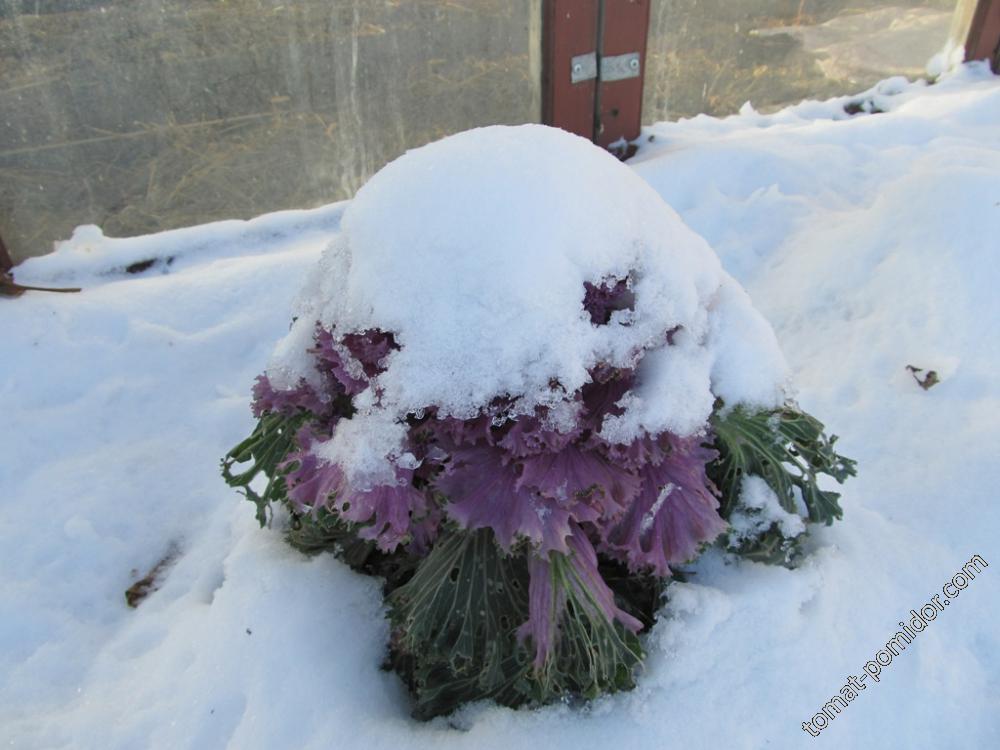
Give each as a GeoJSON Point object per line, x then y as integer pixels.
{"type": "Point", "coordinates": [583, 67]}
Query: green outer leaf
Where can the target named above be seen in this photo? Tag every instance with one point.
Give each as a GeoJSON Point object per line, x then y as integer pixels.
{"type": "Point", "coordinates": [271, 441]}
{"type": "Point", "coordinates": [788, 449]}
{"type": "Point", "coordinates": [772, 547]}
{"type": "Point", "coordinates": [455, 632]}
{"type": "Point", "coordinates": [324, 531]}
{"type": "Point", "coordinates": [465, 595]}
{"type": "Point", "coordinates": [593, 655]}
{"type": "Point", "coordinates": [455, 625]}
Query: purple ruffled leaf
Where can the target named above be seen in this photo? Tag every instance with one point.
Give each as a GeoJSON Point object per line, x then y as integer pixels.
{"type": "Point", "coordinates": [546, 604]}
{"type": "Point", "coordinates": [673, 514]}
{"type": "Point", "coordinates": [484, 493]}
{"type": "Point", "coordinates": [424, 531]}
{"type": "Point", "coordinates": [600, 300]}
{"type": "Point", "coordinates": [269, 400]}
{"type": "Point", "coordinates": [547, 597]}
{"type": "Point", "coordinates": [310, 482]}
{"type": "Point", "coordinates": [388, 515]}
{"type": "Point", "coordinates": [333, 360]}
{"type": "Point", "coordinates": [528, 436]}
{"type": "Point", "coordinates": [589, 585]}
{"type": "Point", "coordinates": [601, 395]}
{"type": "Point", "coordinates": [370, 348]}
{"type": "Point", "coordinates": [577, 473]}
{"type": "Point", "coordinates": [341, 359]}
{"type": "Point", "coordinates": [385, 511]}
{"type": "Point", "coordinates": [632, 456]}
{"type": "Point", "coordinates": [452, 432]}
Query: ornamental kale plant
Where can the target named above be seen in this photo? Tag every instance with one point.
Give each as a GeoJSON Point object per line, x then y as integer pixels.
{"type": "Point", "coordinates": [526, 421]}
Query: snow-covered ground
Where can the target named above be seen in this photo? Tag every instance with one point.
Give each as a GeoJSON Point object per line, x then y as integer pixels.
{"type": "Point", "coordinates": [870, 243]}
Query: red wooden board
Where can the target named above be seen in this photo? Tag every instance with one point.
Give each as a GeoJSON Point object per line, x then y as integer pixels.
{"type": "Point", "coordinates": [570, 30]}
{"type": "Point", "coordinates": [984, 33]}
{"type": "Point", "coordinates": [5, 262]}
{"type": "Point", "coordinates": [620, 102]}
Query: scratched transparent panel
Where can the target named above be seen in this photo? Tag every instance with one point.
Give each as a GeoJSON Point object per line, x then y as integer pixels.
{"type": "Point", "coordinates": [143, 115]}
{"type": "Point", "coordinates": [711, 56]}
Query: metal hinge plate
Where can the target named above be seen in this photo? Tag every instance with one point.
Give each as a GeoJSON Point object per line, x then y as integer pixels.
{"type": "Point", "coordinates": [583, 67]}
{"type": "Point", "coordinates": [613, 68]}
{"type": "Point", "coordinates": [620, 67]}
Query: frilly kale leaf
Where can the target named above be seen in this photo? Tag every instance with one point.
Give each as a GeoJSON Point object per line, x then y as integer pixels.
{"type": "Point", "coordinates": [788, 449]}
{"type": "Point", "coordinates": [455, 634]}
{"type": "Point", "coordinates": [455, 625]}
{"type": "Point", "coordinates": [264, 450]}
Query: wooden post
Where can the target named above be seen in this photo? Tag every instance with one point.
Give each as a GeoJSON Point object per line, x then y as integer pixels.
{"type": "Point", "coordinates": [594, 57]}
{"type": "Point", "coordinates": [569, 52]}
{"type": "Point", "coordinates": [5, 261]}
{"type": "Point", "coordinates": [623, 44]}
{"type": "Point", "coordinates": [983, 39]}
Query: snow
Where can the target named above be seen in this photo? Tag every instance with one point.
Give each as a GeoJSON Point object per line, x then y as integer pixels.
{"type": "Point", "coordinates": [868, 242]}
{"type": "Point", "coordinates": [479, 274]}
{"type": "Point", "coordinates": [647, 520]}
{"type": "Point", "coordinates": [756, 496]}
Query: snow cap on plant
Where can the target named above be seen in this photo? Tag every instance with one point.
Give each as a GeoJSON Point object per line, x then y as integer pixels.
{"type": "Point", "coordinates": [478, 254]}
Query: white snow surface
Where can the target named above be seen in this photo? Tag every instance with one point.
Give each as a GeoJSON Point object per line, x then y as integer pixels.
{"type": "Point", "coordinates": [759, 509]}
{"type": "Point", "coordinates": [474, 251]}
{"type": "Point", "coordinates": [870, 243]}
